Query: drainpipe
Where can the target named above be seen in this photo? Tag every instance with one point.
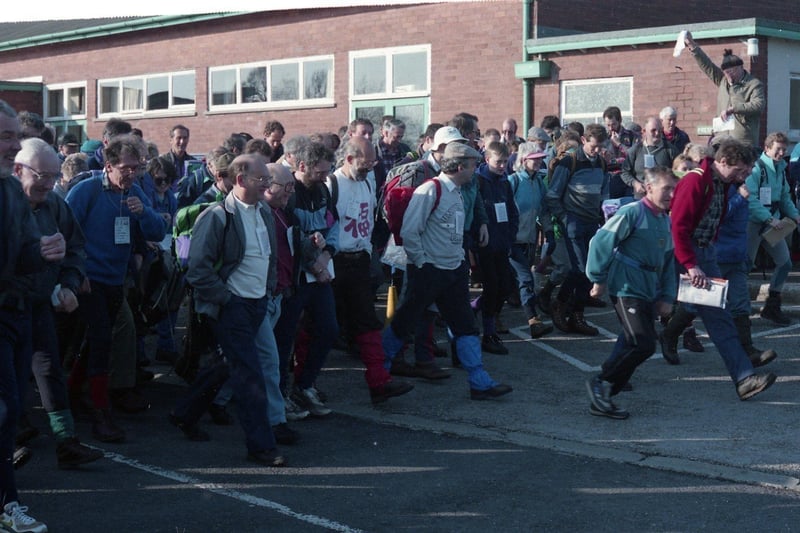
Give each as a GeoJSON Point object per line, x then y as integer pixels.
{"type": "Point", "coordinates": [526, 84]}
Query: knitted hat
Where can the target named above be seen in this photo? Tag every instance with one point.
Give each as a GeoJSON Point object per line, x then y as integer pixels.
{"type": "Point", "coordinates": [90, 145]}
{"type": "Point", "coordinates": [729, 60]}
{"type": "Point", "coordinates": [538, 134]}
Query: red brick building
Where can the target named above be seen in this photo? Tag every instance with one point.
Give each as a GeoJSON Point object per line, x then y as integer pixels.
{"type": "Point", "coordinates": [317, 69]}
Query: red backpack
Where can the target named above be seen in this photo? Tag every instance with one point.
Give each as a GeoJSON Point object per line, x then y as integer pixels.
{"type": "Point", "coordinates": [395, 201]}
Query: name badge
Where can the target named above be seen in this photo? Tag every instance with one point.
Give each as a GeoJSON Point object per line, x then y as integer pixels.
{"type": "Point", "coordinates": [501, 212]}
{"type": "Point", "coordinates": [649, 161]}
{"type": "Point", "coordinates": [122, 230]}
{"type": "Point", "coordinates": [765, 195]}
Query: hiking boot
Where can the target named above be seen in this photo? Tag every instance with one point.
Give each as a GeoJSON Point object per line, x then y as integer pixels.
{"type": "Point", "coordinates": [104, 428]}
{"type": "Point", "coordinates": [22, 454]}
{"type": "Point", "coordinates": [539, 328]}
{"type": "Point", "coordinates": [430, 371]}
{"type": "Point", "coordinates": [401, 368]}
{"type": "Point", "coordinates": [752, 385]}
{"type": "Point", "coordinates": [71, 453]}
{"type": "Point", "coordinates": [559, 315]}
{"type": "Point", "coordinates": [498, 390]}
{"type": "Point", "coordinates": [284, 434]}
{"type": "Point", "coordinates": [293, 411]}
{"type": "Point", "coordinates": [190, 431]}
{"type": "Point", "coordinates": [493, 344]}
{"type": "Point", "coordinates": [772, 310]}
{"type": "Point", "coordinates": [309, 399]}
{"type": "Point", "coordinates": [691, 342]}
{"type": "Point", "coordinates": [578, 324]}
{"type": "Point", "coordinates": [600, 396]}
{"type": "Point", "coordinates": [388, 390]}
{"type": "Point", "coordinates": [757, 356]}
{"type": "Point", "coordinates": [15, 518]}
{"type": "Point", "coordinates": [669, 348]}
{"type": "Point", "coordinates": [128, 400]}
{"type": "Point", "coordinates": [219, 415]}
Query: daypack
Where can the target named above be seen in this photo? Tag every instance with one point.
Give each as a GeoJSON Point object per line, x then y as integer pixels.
{"type": "Point", "coordinates": [162, 288]}
{"type": "Point", "coordinates": [396, 203]}
{"type": "Point", "coordinates": [397, 191]}
{"type": "Point", "coordinates": [182, 227]}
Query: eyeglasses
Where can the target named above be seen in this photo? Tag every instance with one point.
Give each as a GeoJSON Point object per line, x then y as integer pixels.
{"type": "Point", "coordinates": [262, 179]}
{"type": "Point", "coordinates": [41, 176]}
{"type": "Point", "coordinates": [287, 187]}
{"type": "Point", "coordinates": [161, 181]}
{"type": "Point", "coordinates": [127, 169]}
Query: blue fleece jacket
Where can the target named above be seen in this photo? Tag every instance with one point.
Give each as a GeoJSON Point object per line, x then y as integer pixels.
{"type": "Point", "coordinates": [731, 245]}
{"type": "Point", "coordinates": [497, 196]}
{"type": "Point", "coordinates": [96, 206]}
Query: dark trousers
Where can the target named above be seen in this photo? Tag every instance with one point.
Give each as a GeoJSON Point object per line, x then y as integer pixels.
{"type": "Point", "coordinates": [449, 289]}
{"type": "Point", "coordinates": [236, 330]}
{"type": "Point", "coordinates": [316, 301]}
{"type": "Point", "coordinates": [100, 308]}
{"type": "Point", "coordinates": [636, 343]}
{"type": "Point", "coordinates": [576, 286]}
{"type": "Point", "coordinates": [355, 300]}
{"type": "Point", "coordinates": [15, 366]}
{"type": "Point", "coordinates": [497, 279]}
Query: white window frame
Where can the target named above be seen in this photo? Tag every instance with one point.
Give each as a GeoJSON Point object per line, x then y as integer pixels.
{"type": "Point", "coordinates": [594, 117]}
{"type": "Point", "coordinates": [171, 109]}
{"type": "Point", "coordinates": [300, 103]}
{"type": "Point", "coordinates": [388, 53]}
{"type": "Point", "coordinates": [64, 114]}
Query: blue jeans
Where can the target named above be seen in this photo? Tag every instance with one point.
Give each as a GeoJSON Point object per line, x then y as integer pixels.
{"type": "Point", "coordinates": [236, 331]}
{"type": "Point", "coordinates": [521, 260]}
{"type": "Point", "coordinates": [719, 324]}
{"type": "Point", "coordinates": [738, 290]}
{"type": "Point", "coordinates": [15, 365]}
{"type": "Point", "coordinates": [270, 366]}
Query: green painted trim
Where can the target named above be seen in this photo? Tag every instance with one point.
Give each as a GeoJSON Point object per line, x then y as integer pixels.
{"type": "Point", "coordinates": [536, 69]}
{"type": "Point", "coordinates": [138, 24]}
{"type": "Point", "coordinates": [751, 27]}
{"type": "Point", "coordinates": [30, 87]}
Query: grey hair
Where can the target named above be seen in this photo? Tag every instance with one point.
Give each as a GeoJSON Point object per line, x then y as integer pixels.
{"type": "Point", "coordinates": [394, 124]}
{"type": "Point", "coordinates": [523, 150]}
{"type": "Point", "coordinates": [32, 148]}
{"type": "Point", "coordinates": [296, 143]}
{"type": "Point", "coordinates": [652, 175]}
{"type": "Point", "coordinates": [668, 111]}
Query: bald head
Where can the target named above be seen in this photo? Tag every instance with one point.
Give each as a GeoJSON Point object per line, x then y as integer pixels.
{"type": "Point", "coordinates": [359, 158]}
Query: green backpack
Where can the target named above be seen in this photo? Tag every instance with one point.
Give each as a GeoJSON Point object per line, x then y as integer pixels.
{"type": "Point", "coordinates": [182, 229]}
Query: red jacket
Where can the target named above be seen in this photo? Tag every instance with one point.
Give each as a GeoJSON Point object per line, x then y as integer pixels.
{"type": "Point", "coordinates": [690, 201]}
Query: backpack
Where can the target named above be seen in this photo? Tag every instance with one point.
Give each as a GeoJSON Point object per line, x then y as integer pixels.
{"type": "Point", "coordinates": [396, 203]}
{"type": "Point", "coordinates": [162, 288]}
{"type": "Point", "coordinates": [182, 227]}
{"type": "Point", "coordinates": [396, 193]}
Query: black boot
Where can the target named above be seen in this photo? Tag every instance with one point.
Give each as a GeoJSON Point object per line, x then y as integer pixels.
{"type": "Point", "coordinates": [560, 314]}
{"type": "Point", "coordinates": [680, 320]}
{"type": "Point", "coordinates": [757, 356]}
{"type": "Point", "coordinates": [772, 309]}
{"type": "Point", "coordinates": [544, 296]}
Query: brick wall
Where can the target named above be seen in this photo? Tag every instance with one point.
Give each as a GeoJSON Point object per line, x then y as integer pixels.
{"type": "Point", "coordinates": [609, 15]}
{"type": "Point", "coordinates": [468, 73]}
{"type": "Point", "coordinates": [659, 80]}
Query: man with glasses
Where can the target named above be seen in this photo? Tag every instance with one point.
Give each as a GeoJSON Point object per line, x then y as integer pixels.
{"type": "Point", "coordinates": [233, 247]}
{"type": "Point", "coordinates": [113, 211]}
{"type": "Point", "coordinates": [37, 167]}
{"type": "Point", "coordinates": [355, 203]}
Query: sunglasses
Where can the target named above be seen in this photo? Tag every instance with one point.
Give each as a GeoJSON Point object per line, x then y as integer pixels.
{"type": "Point", "coordinates": [161, 181]}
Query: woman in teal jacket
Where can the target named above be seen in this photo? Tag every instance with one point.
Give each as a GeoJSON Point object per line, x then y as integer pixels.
{"type": "Point", "coordinates": [770, 202]}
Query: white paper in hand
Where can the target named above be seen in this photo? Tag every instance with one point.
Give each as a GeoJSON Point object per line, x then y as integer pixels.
{"type": "Point", "coordinates": [679, 44]}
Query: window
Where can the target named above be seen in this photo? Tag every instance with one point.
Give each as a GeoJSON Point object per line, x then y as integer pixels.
{"type": "Point", "coordinates": [152, 94]}
{"type": "Point", "coordinates": [585, 100]}
{"type": "Point", "coordinates": [65, 101]}
{"type": "Point", "coordinates": [794, 105]}
{"type": "Point", "coordinates": [392, 81]}
{"type": "Point", "coordinates": [65, 108]}
{"type": "Point", "coordinates": [288, 83]}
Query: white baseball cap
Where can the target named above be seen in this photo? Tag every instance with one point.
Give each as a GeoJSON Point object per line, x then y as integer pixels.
{"type": "Point", "coordinates": [446, 135]}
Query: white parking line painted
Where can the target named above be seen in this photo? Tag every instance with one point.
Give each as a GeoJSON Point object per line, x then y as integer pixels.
{"type": "Point", "coordinates": [235, 494]}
